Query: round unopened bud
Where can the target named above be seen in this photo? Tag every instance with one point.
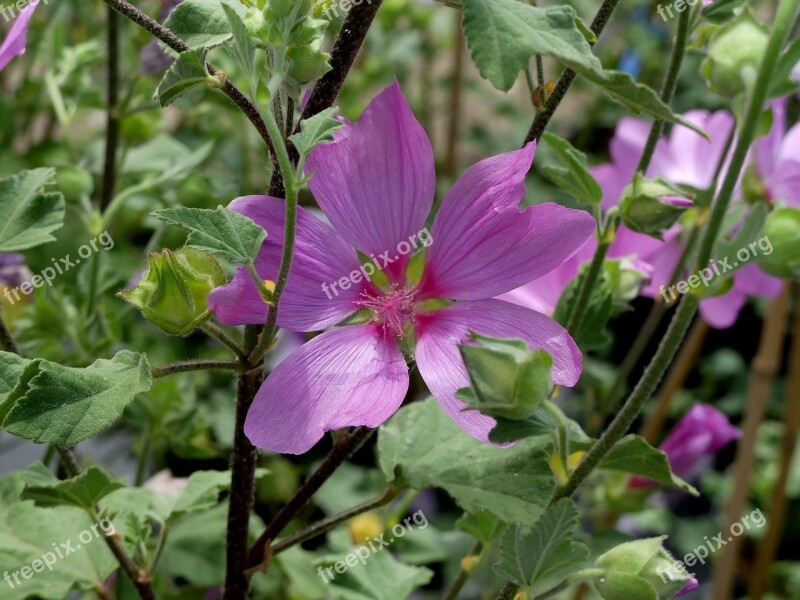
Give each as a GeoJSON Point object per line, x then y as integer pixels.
{"type": "Point", "coordinates": [780, 243]}
{"type": "Point", "coordinates": [365, 527]}
{"type": "Point", "coordinates": [173, 293]}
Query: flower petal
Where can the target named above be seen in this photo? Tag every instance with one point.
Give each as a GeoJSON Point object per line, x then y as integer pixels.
{"type": "Point", "coordinates": [722, 311]}
{"type": "Point", "coordinates": [14, 44]}
{"type": "Point", "coordinates": [322, 258]}
{"type": "Point", "coordinates": [346, 377]}
{"type": "Point", "coordinates": [483, 245]}
{"type": "Point", "coordinates": [440, 363]}
{"type": "Point", "coordinates": [376, 180]}
{"type": "Point", "coordinates": [693, 159]}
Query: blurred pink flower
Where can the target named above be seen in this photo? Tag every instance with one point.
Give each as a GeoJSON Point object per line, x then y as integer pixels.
{"type": "Point", "coordinates": [14, 44]}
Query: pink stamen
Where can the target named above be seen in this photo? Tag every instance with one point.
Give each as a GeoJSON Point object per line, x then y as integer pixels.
{"type": "Point", "coordinates": [394, 310]}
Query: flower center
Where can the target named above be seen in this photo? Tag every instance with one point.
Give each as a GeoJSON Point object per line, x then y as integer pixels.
{"type": "Point", "coordinates": [394, 310]}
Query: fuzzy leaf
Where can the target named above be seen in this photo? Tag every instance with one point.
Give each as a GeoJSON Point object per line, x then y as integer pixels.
{"type": "Point", "coordinates": [83, 491]}
{"type": "Point", "coordinates": [28, 214]}
{"type": "Point", "coordinates": [186, 74]}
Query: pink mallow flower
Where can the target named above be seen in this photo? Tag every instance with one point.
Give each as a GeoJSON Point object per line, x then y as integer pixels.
{"type": "Point", "coordinates": [14, 44]}
{"type": "Point", "coordinates": [700, 433]}
{"type": "Point", "coordinates": [777, 158]}
{"type": "Point", "coordinates": [375, 183]}
{"type": "Point", "coordinates": [683, 158]}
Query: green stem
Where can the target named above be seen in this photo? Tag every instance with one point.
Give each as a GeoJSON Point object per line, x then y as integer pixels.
{"type": "Point", "coordinates": [562, 429]}
{"type": "Point", "coordinates": [667, 88]}
{"type": "Point", "coordinates": [451, 593]}
{"type": "Point", "coordinates": [574, 578]}
{"type": "Point", "coordinates": [688, 305]}
{"type": "Point", "coordinates": [220, 335]}
{"type": "Point", "coordinates": [329, 523]}
{"type": "Point", "coordinates": [195, 365]}
{"type": "Point", "coordinates": [112, 111]}
{"type": "Point", "coordinates": [567, 77]}
{"type": "Point", "coordinates": [587, 286]}
{"type": "Point", "coordinates": [289, 234]}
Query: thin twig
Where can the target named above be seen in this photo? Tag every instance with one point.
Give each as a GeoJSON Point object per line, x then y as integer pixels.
{"type": "Point", "coordinates": [260, 552]}
{"type": "Point", "coordinates": [763, 369]}
{"type": "Point", "coordinates": [218, 333]}
{"type": "Point", "coordinates": [129, 11]}
{"type": "Point", "coordinates": [325, 525]}
{"type": "Point", "coordinates": [112, 111]}
{"type": "Point", "coordinates": [195, 365]}
{"type": "Point", "coordinates": [768, 547]}
{"type": "Point", "coordinates": [464, 571]}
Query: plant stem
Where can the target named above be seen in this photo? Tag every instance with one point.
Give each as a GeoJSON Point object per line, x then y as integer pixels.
{"type": "Point", "coordinates": [667, 88]}
{"type": "Point", "coordinates": [567, 77]}
{"type": "Point", "coordinates": [220, 335]}
{"type": "Point", "coordinates": [242, 494]}
{"type": "Point", "coordinates": [195, 365]}
{"type": "Point", "coordinates": [587, 286]}
{"type": "Point", "coordinates": [112, 111]}
{"type": "Point", "coordinates": [139, 577]}
{"type": "Point", "coordinates": [451, 593]}
{"type": "Point", "coordinates": [508, 592]}
{"type": "Point", "coordinates": [676, 377]}
{"type": "Point", "coordinates": [563, 432]}
{"type": "Point", "coordinates": [765, 366]}
{"type": "Point", "coordinates": [261, 552]}
{"type": "Point", "coordinates": [688, 305]}
{"type": "Point", "coordinates": [289, 235]}
{"type": "Point", "coordinates": [454, 110]}
{"type": "Point", "coordinates": [768, 547]}
{"type": "Point", "coordinates": [329, 523]}
{"type": "Point", "coordinates": [326, 90]}
{"type": "Point", "coordinates": [6, 339]}
{"type": "Point", "coordinates": [129, 11]}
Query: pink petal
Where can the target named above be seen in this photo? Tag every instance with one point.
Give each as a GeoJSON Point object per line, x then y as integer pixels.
{"type": "Point", "coordinates": [483, 245]}
{"type": "Point", "coordinates": [376, 181]}
{"type": "Point", "coordinates": [722, 311]}
{"type": "Point", "coordinates": [440, 363]}
{"type": "Point", "coordinates": [543, 294]}
{"type": "Point", "coordinates": [14, 44]}
{"type": "Point", "coordinates": [693, 159]}
{"type": "Point", "coordinates": [321, 257]}
{"type": "Point", "coordinates": [346, 377]}
{"type": "Point", "coordinates": [751, 280]}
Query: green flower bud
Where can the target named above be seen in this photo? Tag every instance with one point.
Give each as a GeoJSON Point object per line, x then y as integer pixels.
{"type": "Point", "coordinates": [508, 379]}
{"type": "Point", "coordinates": [734, 55]}
{"type": "Point", "coordinates": [307, 63]}
{"type": "Point", "coordinates": [652, 205]}
{"type": "Point", "coordinates": [782, 232]}
{"type": "Point", "coordinates": [173, 293]}
{"type": "Point", "coordinates": [74, 182]}
{"type": "Point", "coordinates": [642, 569]}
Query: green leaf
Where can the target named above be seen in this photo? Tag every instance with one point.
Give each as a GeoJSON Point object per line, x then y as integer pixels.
{"type": "Point", "coordinates": [203, 23]}
{"type": "Point", "coordinates": [64, 405]}
{"type": "Point", "coordinates": [575, 179]}
{"type": "Point", "coordinates": [242, 42]}
{"type": "Point", "coordinates": [531, 554]}
{"type": "Point", "coordinates": [30, 535]}
{"type": "Point", "coordinates": [592, 333]}
{"type": "Point", "coordinates": [202, 491]}
{"type": "Point", "coordinates": [503, 35]}
{"type": "Point", "coordinates": [316, 130]}
{"type": "Point", "coordinates": [83, 491]}
{"type": "Point", "coordinates": [11, 367]}
{"type": "Point", "coordinates": [221, 231]}
{"type": "Point", "coordinates": [632, 454]}
{"type": "Point", "coordinates": [186, 74]}
{"type": "Point", "coordinates": [28, 214]}
{"type": "Point", "coordinates": [636, 97]}
{"type": "Point", "coordinates": [782, 84]}
{"type": "Point", "coordinates": [721, 10]}
{"type": "Point", "coordinates": [382, 577]}
{"type": "Point", "coordinates": [483, 526]}
{"type": "Point", "coordinates": [422, 446]}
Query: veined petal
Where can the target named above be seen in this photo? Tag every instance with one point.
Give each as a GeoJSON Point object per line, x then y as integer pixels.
{"type": "Point", "coordinates": [483, 245]}
{"type": "Point", "coordinates": [14, 44]}
{"type": "Point", "coordinates": [346, 377]}
{"type": "Point", "coordinates": [314, 298]}
{"type": "Point", "coordinates": [694, 159]}
{"type": "Point", "coordinates": [376, 180]}
{"type": "Point", "coordinates": [440, 362]}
